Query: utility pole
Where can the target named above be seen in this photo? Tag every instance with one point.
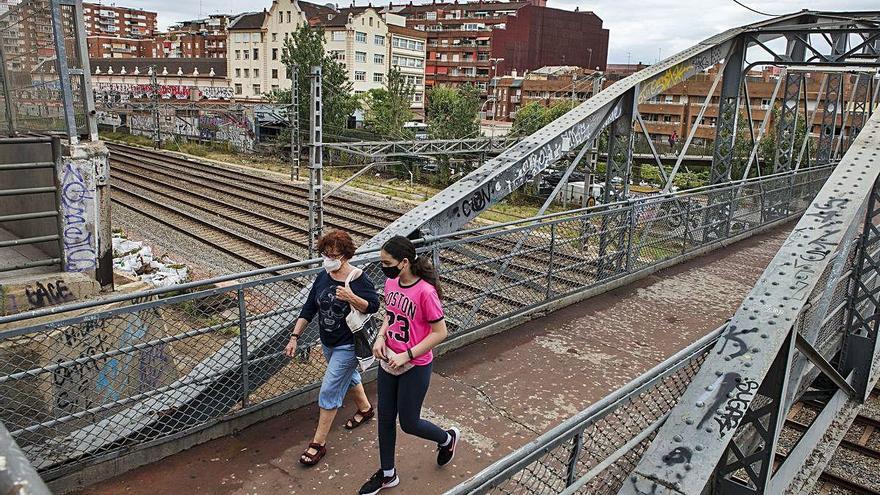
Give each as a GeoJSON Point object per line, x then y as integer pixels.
{"type": "Point", "coordinates": [294, 122]}
{"type": "Point", "coordinates": [316, 179]}
{"type": "Point", "coordinates": [154, 84]}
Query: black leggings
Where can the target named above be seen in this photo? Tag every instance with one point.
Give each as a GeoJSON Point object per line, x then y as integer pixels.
{"type": "Point", "coordinates": [403, 395]}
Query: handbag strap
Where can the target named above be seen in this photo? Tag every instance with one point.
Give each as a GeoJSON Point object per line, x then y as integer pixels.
{"type": "Point", "coordinates": [351, 276]}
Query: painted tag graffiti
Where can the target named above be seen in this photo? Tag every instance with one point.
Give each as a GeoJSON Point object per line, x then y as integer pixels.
{"type": "Point", "coordinates": [78, 213]}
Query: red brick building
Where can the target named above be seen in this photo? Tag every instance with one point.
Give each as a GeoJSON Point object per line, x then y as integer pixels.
{"type": "Point", "coordinates": [466, 40]}
{"type": "Point", "coordinates": [119, 32]}
{"type": "Point", "coordinates": [199, 38]}
{"type": "Point", "coordinates": [122, 22]}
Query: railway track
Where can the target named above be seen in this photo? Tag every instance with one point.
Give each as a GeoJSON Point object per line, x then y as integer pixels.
{"type": "Point", "coordinates": [264, 222]}
{"type": "Point", "coordinates": [856, 444]}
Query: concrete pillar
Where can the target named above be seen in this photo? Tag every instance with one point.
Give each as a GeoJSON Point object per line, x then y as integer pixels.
{"type": "Point", "coordinates": [86, 230]}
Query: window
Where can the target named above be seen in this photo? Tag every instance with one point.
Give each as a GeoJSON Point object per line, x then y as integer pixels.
{"type": "Point", "coordinates": [765, 103]}
{"type": "Point", "coordinates": [378, 59]}
{"type": "Point", "coordinates": [379, 39]}
{"type": "Point", "coordinates": [256, 53]}
{"type": "Point", "coordinates": [280, 17]}
{"type": "Point", "coordinates": [360, 56]}
{"type": "Point", "coordinates": [431, 16]}
{"type": "Point", "coordinates": [247, 73]}
{"type": "Point", "coordinates": [338, 35]}
{"type": "Point", "coordinates": [237, 54]}
{"type": "Point", "coordinates": [378, 77]}
{"type": "Point", "coordinates": [274, 73]}
{"type": "Point", "coordinates": [407, 62]}
{"type": "Point", "coordinates": [288, 16]}
{"type": "Point", "coordinates": [246, 37]}
{"type": "Point", "coordinates": [274, 87]}
{"type": "Point", "coordinates": [237, 72]}
{"type": "Point", "coordinates": [338, 55]}
{"type": "Point", "coordinates": [256, 73]}
{"type": "Point", "coordinates": [274, 54]}
{"type": "Point", "coordinates": [257, 90]}
{"type": "Point", "coordinates": [246, 53]}
{"type": "Point", "coordinates": [360, 76]}
{"type": "Point", "coordinates": [417, 98]}
{"type": "Point", "coordinates": [238, 89]}
{"type": "Point", "coordinates": [360, 37]}
{"type": "Point", "coordinates": [667, 99]}
{"type": "Point", "coordinates": [371, 22]}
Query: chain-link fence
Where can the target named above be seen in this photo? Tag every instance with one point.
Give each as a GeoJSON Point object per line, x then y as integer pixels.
{"type": "Point", "coordinates": [109, 376]}
{"type": "Point", "coordinates": [44, 73]}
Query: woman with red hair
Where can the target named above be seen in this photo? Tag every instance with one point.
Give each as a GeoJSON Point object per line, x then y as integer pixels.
{"type": "Point", "coordinates": [334, 292]}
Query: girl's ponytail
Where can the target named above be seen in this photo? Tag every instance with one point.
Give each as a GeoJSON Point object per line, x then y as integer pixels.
{"type": "Point", "coordinates": [424, 269]}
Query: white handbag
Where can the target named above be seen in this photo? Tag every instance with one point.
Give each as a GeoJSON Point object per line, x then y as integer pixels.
{"type": "Point", "coordinates": [355, 319]}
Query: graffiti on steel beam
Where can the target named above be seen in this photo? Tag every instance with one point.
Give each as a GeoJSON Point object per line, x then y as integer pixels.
{"type": "Point", "coordinates": [78, 212]}
{"type": "Point", "coordinates": [817, 248]}
{"type": "Point", "coordinates": [678, 73]}
{"type": "Point", "coordinates": [726, 402]}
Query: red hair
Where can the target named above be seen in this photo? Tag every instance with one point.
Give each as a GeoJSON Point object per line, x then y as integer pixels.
{"type": "Point", "coordinates": [339, 241]}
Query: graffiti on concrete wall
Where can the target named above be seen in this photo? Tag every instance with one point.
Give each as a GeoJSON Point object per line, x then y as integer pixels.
{"type": "Point", "coordinates": [124, 92]}
{"type": "Point", "coordinates": [234, 128]}
{"type": "Point", "coordinates": [87, 378]}
{"type": "Point", "coordinates": [78, 216]}
{"type": "Point", "coordinates": [109, 118]}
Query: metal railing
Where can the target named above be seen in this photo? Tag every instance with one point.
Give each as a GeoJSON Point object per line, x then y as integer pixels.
{"type": "Point", "coordinates": [17, 475]}
{"type": "Point", "coordinates": [112, 375]}
{"type": "Point", "coordinates": [44, 73]}
{"type": "Point", "coordinates": [32, 213]}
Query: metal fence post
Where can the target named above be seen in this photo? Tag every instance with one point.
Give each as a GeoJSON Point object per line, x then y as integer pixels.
{"type": "Point", "coordinates": [687, 226]}
{"type": "Point", "coordinates": [550, 264]}
{"type": "Point", "coordinates": [576, 445]}
{"type": "Point", "coordinates": [243, 346]}
{"type": "Point", "coordinates": [7, 94]}
{"type": "Point", "coordinates": [63, 72]}
{"type": "Point", "coordinates": [630, 233]}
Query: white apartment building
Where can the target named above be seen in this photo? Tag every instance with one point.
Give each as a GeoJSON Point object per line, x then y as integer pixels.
{"type": "Point", "coordinates": [406, 52]}
{"type": "Point", "coordinates": [357, 37]}
{"type": "Point", "coordinates": [246, 54]}
{"type": "Point", "coordinates": [364, 40]}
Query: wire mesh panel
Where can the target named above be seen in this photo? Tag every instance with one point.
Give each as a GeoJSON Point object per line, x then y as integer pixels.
{"type": "Point", "coordinates": [41, 68]}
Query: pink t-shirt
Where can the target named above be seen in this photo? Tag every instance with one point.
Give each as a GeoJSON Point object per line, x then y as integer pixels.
{"type": "Point", "coordinates": [411, 310]}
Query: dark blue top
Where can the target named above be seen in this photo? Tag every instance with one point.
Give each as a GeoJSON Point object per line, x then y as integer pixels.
{"type": "Point", "coordinates": [331, 311]}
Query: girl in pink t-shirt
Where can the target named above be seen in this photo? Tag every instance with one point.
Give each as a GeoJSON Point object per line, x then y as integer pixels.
{"type": "Point", "coordinates": [413, 326]}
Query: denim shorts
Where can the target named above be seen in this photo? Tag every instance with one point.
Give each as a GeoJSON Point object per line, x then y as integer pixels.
{"type": "Point", "coordinates": [341, 375]}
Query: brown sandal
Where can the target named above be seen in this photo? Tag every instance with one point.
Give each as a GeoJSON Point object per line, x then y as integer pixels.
{"type": "Point", "coordinates": [312, 459]}
{"type": "Point", "coordinates": [365, 416]}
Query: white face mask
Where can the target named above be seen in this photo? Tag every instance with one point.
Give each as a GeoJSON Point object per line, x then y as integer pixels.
{"type": "Point", "coordinates": [331, 265]}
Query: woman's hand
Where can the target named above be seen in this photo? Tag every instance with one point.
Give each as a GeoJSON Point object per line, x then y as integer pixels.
{"type": "Point", "coordinates": [345, 294]}
{"type": "Point", "coordinates": [290, 350]}
{"type": "Point", "coordinates": [379, 349]}
{"type": "Point", "coordinates": [398, 360]}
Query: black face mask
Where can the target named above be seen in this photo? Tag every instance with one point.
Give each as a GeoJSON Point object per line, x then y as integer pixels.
{"type": "Point", "coordinates": [391, 271]}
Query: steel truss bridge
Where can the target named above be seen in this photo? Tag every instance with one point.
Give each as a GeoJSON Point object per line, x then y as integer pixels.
{"type": "Point", "coordinates": [812, 314]}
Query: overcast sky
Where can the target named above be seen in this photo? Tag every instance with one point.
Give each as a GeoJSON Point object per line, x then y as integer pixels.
{"type": "Point", "coordinates": [641, 30]}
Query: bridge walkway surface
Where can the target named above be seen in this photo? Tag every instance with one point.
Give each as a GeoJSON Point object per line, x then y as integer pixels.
{"type": "Point", "coordinates": [502, 391]}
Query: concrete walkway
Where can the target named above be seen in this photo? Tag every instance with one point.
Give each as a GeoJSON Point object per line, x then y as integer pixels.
{"type": "Point", "coordinates": [502, 391]}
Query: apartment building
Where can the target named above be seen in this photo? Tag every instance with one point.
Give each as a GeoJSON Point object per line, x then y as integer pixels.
{"type": "Point", "coordinates": [5, 5]}
{"type": "Point", "coordinates": [365, 40]}
{"type": "Point", "coordinates": [246, 43]}
{"type": "Point", "coordinates": [407, 53]}
{"type": "Point", "coordinates": [198, 38]}
{"type": "Point", "coordinates": [119, 32]}
{"type": "Point", "coordinates": [357, 37]}
{"type": "Point", "coordinates": [472, 42]}
{"type": "Point", "coordinates": [673, 111]}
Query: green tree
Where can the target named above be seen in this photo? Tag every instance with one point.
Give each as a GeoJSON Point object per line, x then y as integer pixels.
{"type": "Point", "coordinates": [305, 48]}
{"type": "Point", "coordinates": [452, 112]}
{"type": "Point", "coordinates": [534, 116]}
{"type": "Point", "coordinates": [388, 108]}
{"type": "Point", "coordinates": [528, 119]}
